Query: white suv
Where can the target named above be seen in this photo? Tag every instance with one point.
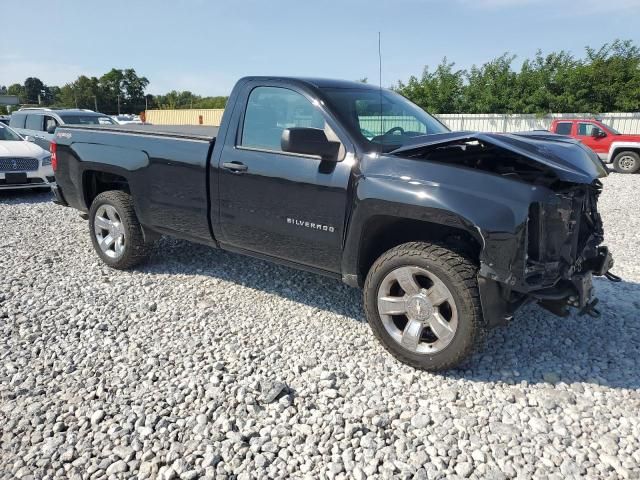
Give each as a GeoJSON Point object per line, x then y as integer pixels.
{"type": "Point", "coordinates": [22, 164]}
{"type": "Point", "coordinates": [39, 124]}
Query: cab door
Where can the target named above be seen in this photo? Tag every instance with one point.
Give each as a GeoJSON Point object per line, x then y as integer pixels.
{"type": "Point", "coordinates": [275, 203]}
{"type": "Point", "coordinates": [593, 136]}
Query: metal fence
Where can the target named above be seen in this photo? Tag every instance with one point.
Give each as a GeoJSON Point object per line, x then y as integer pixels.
{"type": "Point", "coordinates": [484, 122]}
{"type": "Point", "coordinates": [488, 122]}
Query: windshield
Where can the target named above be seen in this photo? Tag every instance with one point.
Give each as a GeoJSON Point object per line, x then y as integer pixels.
{"type": "Point", "coordinates": [87, 120]}
{"type": "Point", "coordinates": [8, 135]}
{"type": "Point", "coordinates": [611, 129]}
{"type": "Point", "coordinates": [383, 118]}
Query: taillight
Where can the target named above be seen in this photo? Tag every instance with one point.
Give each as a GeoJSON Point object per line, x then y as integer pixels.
{"type": "Point", "coordinates": [53, 148]}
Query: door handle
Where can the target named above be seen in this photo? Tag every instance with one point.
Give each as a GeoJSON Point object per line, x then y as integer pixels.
{"type": "Point", "coordinates": [235, 166]}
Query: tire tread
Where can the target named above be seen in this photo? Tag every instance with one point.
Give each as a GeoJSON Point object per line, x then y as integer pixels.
{"type": "Point", "coordinates": [137, 250]}
{"type": "Point", "coordinates": [463, 274]}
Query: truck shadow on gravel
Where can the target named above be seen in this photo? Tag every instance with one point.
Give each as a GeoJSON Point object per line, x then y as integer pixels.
{"type": "Point", "coordinates": [28, 196]}
{"type": "Point", "coordinates": [536, 347]}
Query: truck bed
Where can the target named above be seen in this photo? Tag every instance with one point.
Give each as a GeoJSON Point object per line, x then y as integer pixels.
{"type": "Point", "coordinates": [199, 132]}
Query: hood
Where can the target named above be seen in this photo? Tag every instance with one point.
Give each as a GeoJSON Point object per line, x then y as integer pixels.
{"type": "Point", "coordinates": [568, 159]}
{"type": "Point", "coordinates": [21, 149]}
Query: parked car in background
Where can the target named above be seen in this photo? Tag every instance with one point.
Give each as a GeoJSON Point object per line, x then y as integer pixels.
{"type": "Point", "coordinates": [39, 124]}
{"type": "Point", "coordinates": [611, 146]}
{"type": "Point", "coordinates": [22, 164]}
{"type": "Point", "coordinates": [5, 119]}
{"type": "Point", "coordinates": [127, 119]}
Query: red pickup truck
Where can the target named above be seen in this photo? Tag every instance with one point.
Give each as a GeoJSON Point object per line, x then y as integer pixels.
{"type": "Point", "coordinates": [611, 146]}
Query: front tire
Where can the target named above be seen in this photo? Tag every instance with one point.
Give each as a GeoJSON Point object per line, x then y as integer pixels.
{"type": "Point", "coordinates": [115, 231]}
{"type": "Point", "coordinates": [626, 162]}
{"type": "Point", "coordinates": [422, 303]}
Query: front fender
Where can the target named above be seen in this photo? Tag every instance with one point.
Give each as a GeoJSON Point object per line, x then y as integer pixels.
{"type": "Point", "coordinates": [618, 146]}
{"type": "Point", "coordinates": [493, 210]}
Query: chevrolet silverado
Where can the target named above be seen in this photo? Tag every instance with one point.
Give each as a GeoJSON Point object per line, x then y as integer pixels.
{"type": "Point", "coordinates": [448, 233]}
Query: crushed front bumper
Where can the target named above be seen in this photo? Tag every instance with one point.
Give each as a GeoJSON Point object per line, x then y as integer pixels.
{"type": "Point", "coordinates": [552, 260]}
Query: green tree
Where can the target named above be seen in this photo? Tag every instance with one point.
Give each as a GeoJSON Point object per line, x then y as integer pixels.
{"type": "Point", "coordinates": [607, 79]}
{"type": "Point", "coordinates": [611, 77]}
{"type": "Point", "coordinates": [186, 99]}
{"type": "Point", "coordinates": [439, 91]}
{"type": "Point", "coordinates": [122, 90]}
{"type": "Point", "coordinates": [34, 90]}
{"type": "Point", "coordinates": [17, 89]}
{"type": "Point", "coordinates": [491, 87]}
{"type": "Point", "coordinates": [85, 92]}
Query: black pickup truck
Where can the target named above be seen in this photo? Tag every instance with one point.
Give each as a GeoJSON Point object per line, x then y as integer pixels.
{"type": "Point", "coordinates": [447, 233]}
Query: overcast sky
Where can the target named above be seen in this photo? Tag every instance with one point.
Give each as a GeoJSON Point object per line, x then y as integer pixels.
{"type": "Point", "coordinates": [205, 46]}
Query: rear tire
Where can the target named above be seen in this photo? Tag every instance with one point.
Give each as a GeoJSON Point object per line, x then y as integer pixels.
{"type": "Point", "coordinates": [115, 231]}
{"type": "Point", "coordinates": [626, 162]}
{"type": "Point", "coordinates": [429, 293]}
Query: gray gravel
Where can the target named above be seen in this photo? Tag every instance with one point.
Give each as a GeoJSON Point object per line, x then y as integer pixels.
{"type": "Point", "coordinates": [206, 364]}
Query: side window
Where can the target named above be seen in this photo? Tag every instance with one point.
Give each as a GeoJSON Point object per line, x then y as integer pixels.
{"type": "Point", "coordinates": [50, 123]}
{"type": "Point", "coordinates": [563, 128]}
{"type": "Point", "coordinates": [586, 129]}
{"type": "Point", "coordinates": [17, 120]}
{"type": "Point", "coordinates": [34, 122]}
{"type": "Point", "coordinates": [272, 109]}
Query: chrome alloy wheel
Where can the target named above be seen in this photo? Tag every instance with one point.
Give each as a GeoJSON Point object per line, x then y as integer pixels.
{"type": "Point", "coordinates": [417, 310]}
{"type": "Point", "coordinates": [109, 231]}
{"type": "Point", "coordinates": [627, 162]}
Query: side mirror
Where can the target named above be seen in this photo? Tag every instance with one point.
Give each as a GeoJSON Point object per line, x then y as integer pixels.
{"type": "Point", "coordinates": [52, 129]}
{"type": "Point", "coordinates": [597, 133]}
{"type": "Point", "coordinates": [309, 141]}
{"type": "Point", "coordinates": [29, 138]}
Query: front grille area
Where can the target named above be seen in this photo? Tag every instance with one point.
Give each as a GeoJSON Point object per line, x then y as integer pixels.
{"type": "Point", "coordinates": [18, 164]}
{"type": "Point", "coordinates": [563, 233]}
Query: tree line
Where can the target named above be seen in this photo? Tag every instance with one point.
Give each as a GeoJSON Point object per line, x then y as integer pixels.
{"type": "Point", "coordinates": [606, 79]}
{"type": "Point", "coordinates": [117, 91]}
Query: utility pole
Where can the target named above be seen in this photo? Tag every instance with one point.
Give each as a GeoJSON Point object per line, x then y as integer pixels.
{"type": "Point", "coordinates": [95, 103]}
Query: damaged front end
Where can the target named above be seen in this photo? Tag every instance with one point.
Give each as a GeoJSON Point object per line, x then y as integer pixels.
{"type": "Point", "coordinates": [552, 249]}
{"type": "Point", "coordinates": [559, 251]}
{"type": "Point", "coordinates": [564, 250]}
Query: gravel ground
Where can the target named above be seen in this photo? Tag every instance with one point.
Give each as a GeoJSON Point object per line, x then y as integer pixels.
{"type": "Point", "coordinates": [207, 364]}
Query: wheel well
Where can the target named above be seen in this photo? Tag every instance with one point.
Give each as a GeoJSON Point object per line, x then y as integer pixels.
{"type": "Point", "coordinates": [383, 233]}
{"type": "Point", "coordinates": [94, 183]}
{"type": "Point", "coordinates": [620, 150]}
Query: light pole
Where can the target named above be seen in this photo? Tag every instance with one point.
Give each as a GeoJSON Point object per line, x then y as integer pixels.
{"type": "Point", "coordinates": [118, 103]}
{"type": "Point", "coordinates": [95, 103]}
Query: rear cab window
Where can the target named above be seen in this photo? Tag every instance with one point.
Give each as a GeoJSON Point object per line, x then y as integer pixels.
{"type": "Point", "coordinates": [564, 128]}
